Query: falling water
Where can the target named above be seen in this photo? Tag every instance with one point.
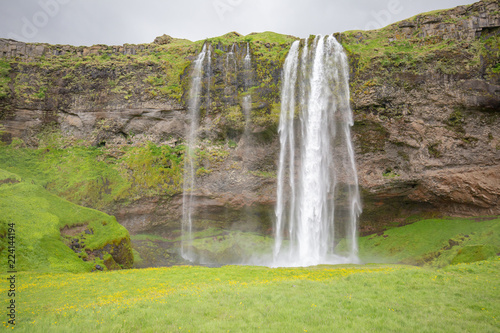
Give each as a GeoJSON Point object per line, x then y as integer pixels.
{"type": "Point", "coordinates": [318, 200]}
{"type": "Point", "coordinates": [209, 75]}
{"type": "Point", "coordinates": [230, 62]}
{"type": "Point", "coordinates": [189, 161]}
{"type": "Point", "coordinates": [247, 98]}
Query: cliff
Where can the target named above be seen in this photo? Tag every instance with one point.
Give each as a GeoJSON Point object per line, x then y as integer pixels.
{"type": "Point", "coordinates": [104, 126]}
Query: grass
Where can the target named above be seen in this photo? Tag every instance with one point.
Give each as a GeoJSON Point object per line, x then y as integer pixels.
{"type": "Point", "coordinates": [81, 175]}
{"type": "Point", "coordinates": [223, 247]}
{"type": "Point", "coordinates": [369, 298]}
{"type": "Point", "coordinates": [39, 217]}
{"type": "Point", "coordinates": [430, 243]}
{"type": "Point", "coordinates": [212, 246]}
{"type": "Point", "coordinates": [434, 242]}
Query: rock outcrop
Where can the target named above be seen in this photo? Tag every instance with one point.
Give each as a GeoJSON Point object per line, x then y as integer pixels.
{"type": "Point", "coordinates": [427, 116]}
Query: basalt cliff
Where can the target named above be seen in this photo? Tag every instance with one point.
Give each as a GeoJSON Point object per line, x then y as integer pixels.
{"type": "Point", "coordinates": [105, 126]}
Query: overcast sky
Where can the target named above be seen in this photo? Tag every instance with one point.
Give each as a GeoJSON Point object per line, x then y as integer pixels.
{"type": "Point", "coordinates": [115, 22]}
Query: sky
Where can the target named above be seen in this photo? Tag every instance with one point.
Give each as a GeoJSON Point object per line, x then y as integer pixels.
{"type": "Point", "coordinates": [115, 22]}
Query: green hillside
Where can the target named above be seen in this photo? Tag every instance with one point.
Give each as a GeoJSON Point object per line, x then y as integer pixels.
{"type": "Point", "coordinates": [435, 242]}
{"type": "Point", "coordinates": [46, 225]}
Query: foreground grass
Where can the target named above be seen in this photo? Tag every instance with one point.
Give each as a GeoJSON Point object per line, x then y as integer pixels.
{"type": "Point", "coordinates": [389, 298]}
{"type": "Point", "coordinates": [435, 242]}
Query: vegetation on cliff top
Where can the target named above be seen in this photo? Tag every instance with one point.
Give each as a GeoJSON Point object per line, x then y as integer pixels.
{"type": "Point", "coordinates": [160, 71]}
{"type": "Point", "coordinates": [382, 56]}
{"type": "Point", "coordinates": [149, 72]}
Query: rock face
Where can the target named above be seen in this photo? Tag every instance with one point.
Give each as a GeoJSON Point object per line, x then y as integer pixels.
{"type": "Point", "coordinates": [460, 23]}
{"type": "Point", "coordinates": [13, 49]}
{"type": "Point", "coordinates": [426, 121]}
{"type": "Point", "coordinates": [425, 93]}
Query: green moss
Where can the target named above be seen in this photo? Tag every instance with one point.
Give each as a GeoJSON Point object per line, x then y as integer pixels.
{"type": "Point", "coordinates": [378, 53]}
{"type": "Point", "coordinates": [433, 150]}
{"type": "Point", "coordinates": [97, 176]}
{"type": "Point", "coordinates": [456, 121]}
{"type": "Point", "coordinates": [371, 136]}
{"type": "Point", "coordinates": [389, 173]}
{"type": "Point", "coordinates": [472, 253]}
{"type": "Point", "coordinates": [155, 80]}
{"type": "Point", "coordinates": [4, 79]}
{"type": "Point", "coordinates": [496, 68]}
{"type": "Point", "coordinates": [155, 169]}
{"type": "Point", "coordinates": [235, 118]}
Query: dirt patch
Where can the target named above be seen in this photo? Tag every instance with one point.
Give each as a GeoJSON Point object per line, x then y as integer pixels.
{"type": "Point", "coordinates": [73, 230]}
{"type": "Point", "coordinates": [9, 181]}
{"type": "Point", "coordinates": [484, 218]}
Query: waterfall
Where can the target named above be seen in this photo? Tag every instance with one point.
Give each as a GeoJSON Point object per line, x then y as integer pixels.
{"type": "Point", "coordinates": [318, 201]}
{"type": "Point", "coordinates": [247, 98]}
{"type": "Point", "coordinates": [190, 158]}
{"type": "Point", "coordinates": [209, 75]}
{"type": "Point", "coordinates": [230, 61]}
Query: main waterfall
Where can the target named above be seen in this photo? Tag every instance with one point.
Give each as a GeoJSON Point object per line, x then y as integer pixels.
{"type": "Point", "coordinates": [318, 201]}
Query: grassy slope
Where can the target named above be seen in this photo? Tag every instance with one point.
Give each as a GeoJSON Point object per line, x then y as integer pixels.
{"type": "Point", "coordinates": [97, 177]}
{"type": "Point", "coordinates": [437, 242]}
{"type": "Point", "coordinates": [38, 216]}
{"type": "Point", "coordinates": [371, 298]}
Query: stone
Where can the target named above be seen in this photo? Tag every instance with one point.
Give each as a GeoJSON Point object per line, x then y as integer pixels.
{"type": "Point", "coordinates": [163, 40]}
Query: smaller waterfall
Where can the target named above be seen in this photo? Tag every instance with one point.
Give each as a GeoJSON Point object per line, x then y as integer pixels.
{"type": "Point", "coordinates": [230, 62]}
{"type": "Point", "coordinates": [209, 75]}
{"type": "Point", "coordinates": [247, 98]}
{"type": "Point", "coordinates": [230, 82]}
{"type": "Point", "coordinates": [189, 186]}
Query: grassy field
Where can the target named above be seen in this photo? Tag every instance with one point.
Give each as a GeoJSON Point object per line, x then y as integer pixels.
{"type": "Point", "coordinates": [369, 298]}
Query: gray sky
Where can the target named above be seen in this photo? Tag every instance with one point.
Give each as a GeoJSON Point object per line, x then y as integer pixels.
{"type": "Point", "coordinates": [115, 22]}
